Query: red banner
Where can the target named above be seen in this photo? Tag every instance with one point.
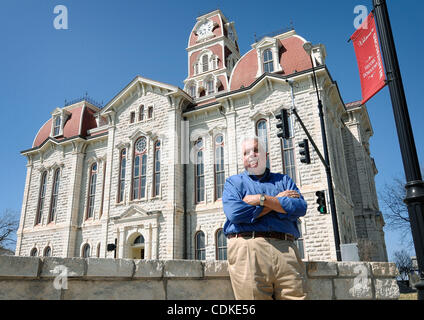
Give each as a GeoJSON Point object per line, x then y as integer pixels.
{"type": "Point", "coordinates": [368, 55]}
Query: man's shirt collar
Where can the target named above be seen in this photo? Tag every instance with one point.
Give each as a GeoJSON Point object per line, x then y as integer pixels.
{"type": "Point", "coordinates": [264, 178]}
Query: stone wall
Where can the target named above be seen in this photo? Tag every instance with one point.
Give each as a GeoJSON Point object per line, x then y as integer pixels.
{"type": "Point", "coordinates": [94, 278]}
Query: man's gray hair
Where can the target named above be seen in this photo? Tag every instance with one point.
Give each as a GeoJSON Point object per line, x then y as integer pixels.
{"type": "Point", "coordinates": [249, 137]}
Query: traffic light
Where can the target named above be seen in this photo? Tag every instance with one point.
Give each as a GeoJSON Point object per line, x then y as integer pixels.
{"type": "Point", "coordinates": [283, 124]}
{"type": "Point", "coordinates": [322, 208]}
{"type": "Point", "coordinates": [304, 151]}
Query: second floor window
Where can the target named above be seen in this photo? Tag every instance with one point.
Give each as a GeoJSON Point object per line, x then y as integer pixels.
{"type": "Point", "coordinates": [219, 166]}
{"type": "Point", "coordinates": [41, 197]}
{"type": "Point", "coordinates": [34, 252]}
{"type": "Point", "coordinates": [200, 246]}
{"type": "Point", "coordinates": [156, 176]}
{"type": "Point", "coordinates": [262, 133]}
{"type": "Point", "coordinates": [92, 191]}
{"type": "Point", "coordinates": [200, 172]}
{"type": "Point", "coordinates": [122, 168]}
{"type": "Point", "coordinates": [56, 128]}
{"type": "Point", "coordinates": [268, 61]}
{"type": "Point", "coordinates": [141, 113]}
{"type": "Point", "coordinates": [139, 172]}
{"type": "Point", "coordinates": [150, 113]}
{"type": "Point", "coordinates": [55, 192]}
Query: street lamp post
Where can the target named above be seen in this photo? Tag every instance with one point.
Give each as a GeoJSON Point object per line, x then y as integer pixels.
{"type": "Point", "coordinates": [308, 48]}
{"type": "Point", "coordinates": [414, 185]}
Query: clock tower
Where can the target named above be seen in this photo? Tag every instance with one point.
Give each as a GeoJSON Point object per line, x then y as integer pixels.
{"type": "Point", "coordinates": [212, 54]}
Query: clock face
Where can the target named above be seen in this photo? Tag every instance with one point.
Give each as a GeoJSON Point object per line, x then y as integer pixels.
{"type": "Point", "coordinates": [204, 29]}
{"type": "Point", "coordinates": [141, 145]}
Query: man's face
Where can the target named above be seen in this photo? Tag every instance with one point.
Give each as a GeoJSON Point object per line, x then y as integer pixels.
{"type": "Point", "coordinates": [254, 157]}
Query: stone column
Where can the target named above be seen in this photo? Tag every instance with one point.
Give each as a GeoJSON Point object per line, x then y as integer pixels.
{"type": "Point", "coordinates": [74, 199]}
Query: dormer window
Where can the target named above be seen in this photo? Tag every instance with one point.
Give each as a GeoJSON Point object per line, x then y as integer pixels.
{"type": "Point", "coordinates": [59, 117]}
{"type": "Point", "coordinates": [268, 54]}
{"type": "Point", "coordinates": [268, 61]}
{"type": "Point", "coordinates": [56, 127]}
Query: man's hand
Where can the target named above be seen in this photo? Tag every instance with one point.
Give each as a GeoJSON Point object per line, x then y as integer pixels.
{"type": "Point", "coordinates": [288, 193]}
{"type": "Point", "coordinates": [252, 199]}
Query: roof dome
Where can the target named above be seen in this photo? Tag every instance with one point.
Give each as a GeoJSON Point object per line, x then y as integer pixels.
{"type": "Point", "coordinates": [292, 58]}
{"type": "Point", "coordinates": [80, 120]}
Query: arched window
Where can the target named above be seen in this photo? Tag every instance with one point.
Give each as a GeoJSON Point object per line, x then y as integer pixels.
{"type": "Point", "coordinates": [205, 63]}
{"type": "Point", "coordinates": [219, 166]}
{"type": "Point", "coordinates": [34, 252]}
{"type": "Point", "coordinates": [55, 192]}
{"type": "Point", "coordinates": [41, 196]}
{"type": "Point", "coordinates": [221, 245]}
{"type": "Point", "coordinates": [288, 154]}
{"type": "Point", "coordinates": [200, 253]}
{"type": "Point", "coordinates": [268, 61]}
{"type": "Point", "coordinates": [122, 168]}
{"type": "Point", "coordinates": [150, 112]}
{"type": "Point", "coordinates": [92, 191]}
{"type": "Point", "coordinates": [141, 113]}
{"type": "Point", "coordinates": [132, 117]}
{"type": "Point", "coordinates": [299, 241]}
{"type": "Point", "coordinates": [86, 251]}
{"type": "Point", "coordinates": [47, 252]}
{"type": "Point", "coordinates": [199, 172]}
{"type": "Point", "coordinates": [262, 133]}
{"type": "Point", "coordinates": [139, 172]}
{"type": "Point", "coordinates": [139, 240]}
{"type": "Point", "coordinates": [156, 175]}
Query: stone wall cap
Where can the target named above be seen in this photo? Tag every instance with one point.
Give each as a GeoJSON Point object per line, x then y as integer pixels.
{"type": "Point", "coordinates": [321, 269]}
{"type": "Point", "coordinates": [17, 267]}
{"type": "Point", "coordinates": [148, 269]}
{"type": "Point", "coordinates": [183, 269]}
{"type": "Point", "coordinates": [106, 267]}
{"type": "Point", "coordinates": [53, 266]}
{"type": "Point", "coordinates": [215, 268]}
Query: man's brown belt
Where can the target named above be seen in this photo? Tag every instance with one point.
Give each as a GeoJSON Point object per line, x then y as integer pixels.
{"type": "Point", "coordinates": [269, 234]}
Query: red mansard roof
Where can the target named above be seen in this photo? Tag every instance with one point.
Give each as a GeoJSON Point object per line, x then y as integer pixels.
{"type": "Point", "coordinates": [79, 122]}
{"type": "Point", "coordinates": [293, 58]}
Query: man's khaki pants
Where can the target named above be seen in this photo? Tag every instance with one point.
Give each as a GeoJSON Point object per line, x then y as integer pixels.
{"type": "Point", "coordinates": [266, 268]}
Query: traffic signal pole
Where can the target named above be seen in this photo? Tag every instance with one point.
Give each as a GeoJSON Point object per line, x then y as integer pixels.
{"type": "Point", "coordinates": [414, 185]}
{"type": "Point", "coordinates": [324, 160]}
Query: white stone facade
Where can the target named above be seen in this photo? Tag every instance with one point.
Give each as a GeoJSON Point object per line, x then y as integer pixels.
{"type": "Point", "coordinates": [168, 221]}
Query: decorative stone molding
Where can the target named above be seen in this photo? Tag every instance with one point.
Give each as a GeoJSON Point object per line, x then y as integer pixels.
{"type": "Point", "coordinates": [94, 278]}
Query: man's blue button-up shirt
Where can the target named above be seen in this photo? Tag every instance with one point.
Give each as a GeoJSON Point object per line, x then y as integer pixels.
{"type": "Point", "coordinates": [242, 217]}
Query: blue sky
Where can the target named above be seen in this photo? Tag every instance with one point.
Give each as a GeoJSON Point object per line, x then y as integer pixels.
{"type": "Point", "coordinates": [109, 42]}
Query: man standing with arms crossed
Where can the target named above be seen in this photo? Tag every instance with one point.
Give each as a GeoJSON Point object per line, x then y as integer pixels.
{"type": "Point", "coordinates": [262, 209]}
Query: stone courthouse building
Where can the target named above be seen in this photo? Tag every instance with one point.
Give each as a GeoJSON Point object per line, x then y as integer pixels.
{"type": "Point", "coordinates": [145, 173]}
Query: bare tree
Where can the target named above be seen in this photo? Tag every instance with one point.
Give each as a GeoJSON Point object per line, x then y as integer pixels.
{"type": "Point", "coordinates": [395, 210]}
{"type": "Point", "coordinates": [403, 263]}
{"type": "Point", "coordinates": [9, 223]}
